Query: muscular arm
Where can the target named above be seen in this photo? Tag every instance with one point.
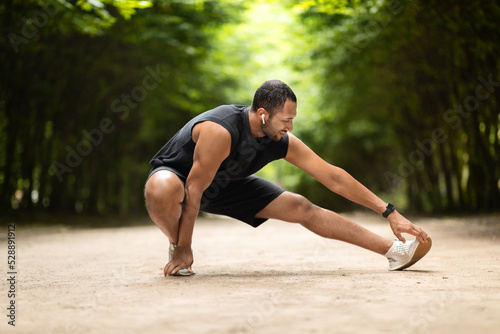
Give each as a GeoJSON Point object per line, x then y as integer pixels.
{"type": "Point", "coordinates": [339, 181]}
{"type": "Point", "coordinates": [213, 144]}
{"type": "Point", "coordinates": [334, 178]}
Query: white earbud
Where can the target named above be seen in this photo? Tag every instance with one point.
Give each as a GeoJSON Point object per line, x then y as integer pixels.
{"type": "Point", "coordinates": [263, 122]}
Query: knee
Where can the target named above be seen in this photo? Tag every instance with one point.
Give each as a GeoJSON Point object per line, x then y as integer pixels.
{"type": "Point", "coordinates": [163, 186]}
{"type": "Point", "coordinates": [303, 209]}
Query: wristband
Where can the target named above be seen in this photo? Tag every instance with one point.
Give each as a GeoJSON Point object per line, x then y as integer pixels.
{"type": "Point", "coordinates": [388, 210]}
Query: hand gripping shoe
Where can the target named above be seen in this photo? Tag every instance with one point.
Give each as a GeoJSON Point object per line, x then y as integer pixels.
{"type": "Point", "coordinates": [181, 272]}
{"type": "Point", "coordinates": [403, 255]}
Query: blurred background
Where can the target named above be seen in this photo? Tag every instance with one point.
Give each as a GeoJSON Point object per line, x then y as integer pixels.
{"type": "Point", "coordinates": [402, 94]}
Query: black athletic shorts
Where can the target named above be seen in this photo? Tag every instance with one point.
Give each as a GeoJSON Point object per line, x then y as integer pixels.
{"type": "Point", "coordinates": [240, 199]}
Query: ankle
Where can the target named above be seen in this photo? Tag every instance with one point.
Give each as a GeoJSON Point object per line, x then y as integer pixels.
{"type": "Point", "coordinates": [387, 247]}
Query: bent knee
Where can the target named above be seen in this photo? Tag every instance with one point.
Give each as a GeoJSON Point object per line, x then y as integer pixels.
{"type": "Point", "coordinates": [164, 185]}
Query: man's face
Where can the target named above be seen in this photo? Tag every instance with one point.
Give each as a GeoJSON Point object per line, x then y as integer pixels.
{"type": "Point", "coordinates": [277, 126]}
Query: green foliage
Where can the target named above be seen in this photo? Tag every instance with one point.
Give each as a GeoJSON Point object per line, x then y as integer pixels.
{"type": "Point", "coordinates": [90, 90]}
{"type": "Point", "coordinates": [402, 94]}
{"type": "Point", "coordinates": [391, 73]}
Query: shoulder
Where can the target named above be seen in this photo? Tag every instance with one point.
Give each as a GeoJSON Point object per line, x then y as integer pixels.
{"type": "Point", "coordinates": [210, 130]}
{"type": "Point", "coordinates": [230, 117]}
{"type": "Point", "coordinates": [226, 111]}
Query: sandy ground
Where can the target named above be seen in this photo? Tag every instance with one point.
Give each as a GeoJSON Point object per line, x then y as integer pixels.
{"type": "Point", "coordinates": [279, 278]}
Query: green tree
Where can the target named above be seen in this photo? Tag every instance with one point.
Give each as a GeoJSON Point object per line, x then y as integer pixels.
{"type": "Point", "coordinates": [93, 90]}
{"type": "Point", "coordinates": [392, 73]}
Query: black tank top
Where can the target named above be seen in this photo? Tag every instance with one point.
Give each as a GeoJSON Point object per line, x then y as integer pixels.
{"type": "Point", "coordinates": [248, 154]}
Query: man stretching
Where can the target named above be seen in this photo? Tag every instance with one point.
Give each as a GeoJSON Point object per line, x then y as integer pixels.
{"type": "Point", "coordinates": [209, 165]}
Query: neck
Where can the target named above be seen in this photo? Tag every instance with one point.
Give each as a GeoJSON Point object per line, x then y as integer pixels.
{"type": "Point", "coordinates": [255, 124]}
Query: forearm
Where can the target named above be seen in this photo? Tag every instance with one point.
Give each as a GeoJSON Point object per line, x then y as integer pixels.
{"type": "Point", "coordinates": [347, 186]}
{"type": "Point", "coordinates": [191, 207]}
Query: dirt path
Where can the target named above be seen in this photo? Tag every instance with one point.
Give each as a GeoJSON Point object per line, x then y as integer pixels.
{"type": "Point", "coordinates": [278, 278]}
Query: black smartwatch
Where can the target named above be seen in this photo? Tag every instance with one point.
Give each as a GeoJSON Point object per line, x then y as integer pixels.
{"type": "Point", "coordinates": [388, 210]}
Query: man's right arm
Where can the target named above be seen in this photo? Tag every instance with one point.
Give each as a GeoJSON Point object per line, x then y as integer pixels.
{"type": "Point", "coordinates": [213, 145]}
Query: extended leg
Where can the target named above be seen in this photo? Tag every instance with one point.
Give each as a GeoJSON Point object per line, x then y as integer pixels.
{"type": "Point", "coordinates": [164, 194]}
{"type": "Point", "coordinates": [294, 208]}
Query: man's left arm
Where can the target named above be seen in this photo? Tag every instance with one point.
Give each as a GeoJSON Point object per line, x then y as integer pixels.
{"type": "Point", "coordinates": [339, 181]}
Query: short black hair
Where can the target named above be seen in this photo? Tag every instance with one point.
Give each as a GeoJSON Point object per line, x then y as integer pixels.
{"type": "Point", "coordinates": [272, 95]}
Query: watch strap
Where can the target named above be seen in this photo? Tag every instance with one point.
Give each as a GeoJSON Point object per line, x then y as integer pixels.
{"type": "Point", "coordinates": [388, 210]}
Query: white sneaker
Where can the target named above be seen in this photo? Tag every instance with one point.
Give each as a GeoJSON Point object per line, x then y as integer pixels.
{"type": "Point", "coordinates": [181, 272]}
{"type": "Point", "coordinates": [402, 255]}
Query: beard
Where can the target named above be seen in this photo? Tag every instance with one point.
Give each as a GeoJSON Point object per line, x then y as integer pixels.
{"type": "Point", "coordinates": [271, 132]}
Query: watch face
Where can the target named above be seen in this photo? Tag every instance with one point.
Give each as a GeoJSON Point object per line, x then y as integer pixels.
{"type": "Point", "coordinates": [388, 209]}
